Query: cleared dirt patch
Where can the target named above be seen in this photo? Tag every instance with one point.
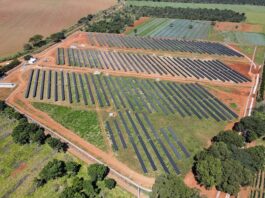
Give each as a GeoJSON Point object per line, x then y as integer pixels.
{"type": "Point", "coordinates": [240, 27]}
{"type": "Point", "coordinates": [19, 20]}
{"type": "Point", "coordinates": [19, 169]}
{"type": "Point", "coordinates": [136, 23]}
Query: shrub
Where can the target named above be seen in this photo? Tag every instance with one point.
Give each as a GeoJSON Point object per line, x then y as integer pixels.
{"type": "Point", "coordinates": [110, 183]}
{"type": "Point", "coordinates": [53, 169]}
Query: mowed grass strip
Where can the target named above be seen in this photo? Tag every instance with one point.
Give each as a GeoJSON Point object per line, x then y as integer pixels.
{"type": "Point", "coordinates": [254, 14]}
{"type": "Point", "coordinates": [83, 123]}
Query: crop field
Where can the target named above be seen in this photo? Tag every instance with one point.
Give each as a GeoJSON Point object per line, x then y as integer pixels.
{"type": "Point", "coordinates": [244, 38]}
{"type": "Point", "coordinates": [254, 14]}
{"type": "Point", "coordinates": [150, 64]}
{"type": "Point", "coordinates": [258, 186]}
{"type": "Point", "coordinates": [158, 44]}
{"type": "Point", "coordinates": [174, 28]}
{"type": "Point", "coordinates": [19, 165]}
{"type": "Point", "coordinates": [136, 105]}
{"type": "Point", "coordinates": [22, 19]}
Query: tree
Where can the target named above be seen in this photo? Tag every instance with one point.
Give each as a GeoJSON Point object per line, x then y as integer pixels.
{"type": "Point", "coordinates": [230, 138]}
{"type": "Point", "coordinates": [69, 192]}
{"type": "Point", "coordinates": [90, 188]}
{"type": "Point", "coordinates": [38, 136]}
{"type": "Point", "coordinates": [250, 136]}
{"type": "Point", "coordinates": [135, 31]}
{"type": "Point", "coordinates": [220, 150]}
{"type": "Point", "coordinates": [172, 186]}
{"type": "Point", "coordinates": [110, 183]}
{"type": "Point", "coordinates": [209, 171]}
{"type": "Point", "coordinates": [36, 39]}
{"type": "Point", "coordinates": [57, 37]}
{"type": "Point", "coordinates": [27, 57]}
{"type": "Point", "coordinates": [56, 144]}
{"type": "Point", "coordinates": [233, 176]}
{"type": "Point", "coordinates": [72, 168]}
{"type": "Point", "coordinates": [257, 154]}
{"type": "Point", "coordinates": [255, 123]}
{"type": "Point", "coordinates": [97, 172]}
{"type": "Point", "coordinates": [19, 134]}
{"type": "Point", "coordinates": [53, 169]}
{"type": "Point", "coordinates": [2, 105]}
{"type": "Point", "coordinates": [27, 47]}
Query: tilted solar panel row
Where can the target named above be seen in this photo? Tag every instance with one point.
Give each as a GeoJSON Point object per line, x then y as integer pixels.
{"type": "Point", "coordinates": [124, 41]}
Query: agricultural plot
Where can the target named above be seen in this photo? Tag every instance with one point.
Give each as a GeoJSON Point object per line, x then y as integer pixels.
{"type": "Point", "coordinates": [258, 186]}
{"type": "Point", "coordinates": [174, 28]}
{"type": "Point", "coordinates": [244, 38]}
{"type": "Point", "coordinates": [136, 103]}
{"type": "Point", "coordinates": [136, 42]}
{"type": "Point", "coordinates": [212, 70]}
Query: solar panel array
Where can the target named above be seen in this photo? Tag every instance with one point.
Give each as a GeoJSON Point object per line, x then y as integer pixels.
{"type": "Point", "coordinates": [134, 100]}
{"type": "Point", "coordinates": [212, 70]}
{"type": "Point", "coordinates": [128, 93]}
{"type": "Point", "coordinates": [173, 45]}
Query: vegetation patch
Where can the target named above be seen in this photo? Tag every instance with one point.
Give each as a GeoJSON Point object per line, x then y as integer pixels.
{"type": "Point", "coordinates": [83, 123]}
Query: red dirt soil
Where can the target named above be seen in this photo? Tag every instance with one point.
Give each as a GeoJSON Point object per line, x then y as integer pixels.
{"type": "Point", "coordinates": [19, 169]}
{"type": "Point", "coordinates": [136, 23]}
{"type": "Point", "coordinates": [240, 27]}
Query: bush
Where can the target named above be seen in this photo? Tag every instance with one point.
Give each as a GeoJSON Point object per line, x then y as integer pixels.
{"type": "Point", "coordinates": [172, 186]}
{"type": "Point", "coordinates": [230, 138]}
{"type": "Point", "coordinates": [110, 183]}
{"type": "Point", "coordinates": [52, 170]}
{"type": "Point", "coordinates": [97, 172]}
{"type": "Point", "coordinates": [72, 168]}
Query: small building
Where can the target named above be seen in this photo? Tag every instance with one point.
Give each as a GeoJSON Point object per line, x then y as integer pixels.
{"type": "Point", "coordinates": [32, 60]}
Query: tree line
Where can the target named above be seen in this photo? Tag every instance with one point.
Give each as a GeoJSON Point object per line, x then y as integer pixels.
{"type": "Point", "coordinates": [238, 2]}
{"type": "Point", "coordinates": [27, 133]}
{"type": "Point", "coordinates": [4, 69]}
{"type": "Point", "coordinates": [188, 13]}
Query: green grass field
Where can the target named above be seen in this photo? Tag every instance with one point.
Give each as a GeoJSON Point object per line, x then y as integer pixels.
{"type": "Point", "coordinates": [254, 14]}
{"type": "Point", "coordinates": [19, 165]}
{"type": "Point", "coordinates": [244, 38]}
{"type": "Point", "coordinates": [83, 123]}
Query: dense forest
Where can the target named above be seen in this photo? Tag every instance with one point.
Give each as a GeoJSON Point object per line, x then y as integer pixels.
{"type": "Point", "coordinates": [188, 13]}
{"type": "Point", "coordinates": [253, 2]}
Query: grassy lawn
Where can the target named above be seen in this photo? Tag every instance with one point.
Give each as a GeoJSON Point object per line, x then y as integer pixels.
{"type": "Point", "coordinates": [19, 165]}
{"type": "Point", "coordinates": [83, 123]}
{"type": "Point", "coordinates": [254, 14]}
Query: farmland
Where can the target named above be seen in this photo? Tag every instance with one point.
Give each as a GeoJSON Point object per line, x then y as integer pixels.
{"type": "Point", "coordinates": [136, 105]}
{"type": "Point", "coordinates": [150, 64]}
{"type": "Point", "coordinates": [174, 28]}
{"type": "Point", "coordinates": [22, 19]}
{"type": "Point", "coordinates": [21, 164]}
